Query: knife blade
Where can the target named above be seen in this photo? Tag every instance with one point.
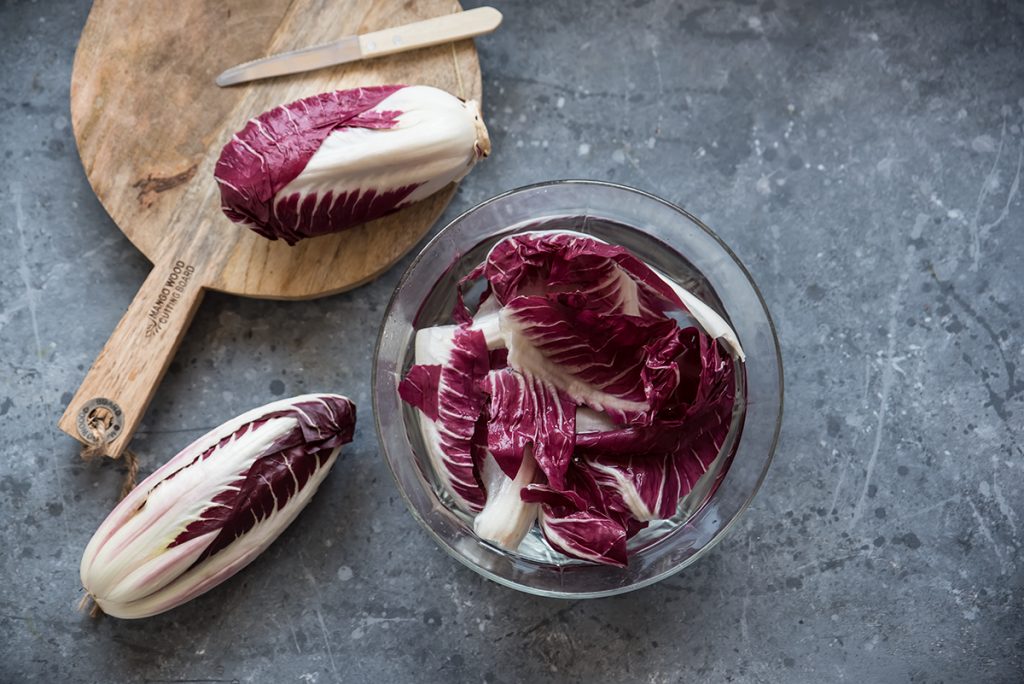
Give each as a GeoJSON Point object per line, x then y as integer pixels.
{"type": "Point", "coordinates": [435, 31]}
{"type": "Point", "coordinates": [294, 62]}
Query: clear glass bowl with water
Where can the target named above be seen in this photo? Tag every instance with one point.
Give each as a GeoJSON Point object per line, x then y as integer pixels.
{"type": "Point", "coordinates": [664, 236]}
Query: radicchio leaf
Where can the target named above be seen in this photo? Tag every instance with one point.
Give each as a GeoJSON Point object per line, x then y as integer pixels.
{"type": "Point", "coordinates": [648, 487]}
{"type": "Point", "coordinates": [419, 389]}
{"type": "Point", "coordinates": [506, 518]}
{"type": "Point", "coordinates": [651, 468]}
{"type": "Point", "coordinates": [577, 521]}
{"type": "Point", "coordinates": [620, 364]}
{"type": "Point", "coordinates": [584, 534]}
{"type": "Point", "coordinates": [610, 277]}
{"type": "Point", "coordinates": [498, 358]}
{"type": "Point", "coordinates": [529, 413]}
{"type": "Point", "coordinates": [460, 400]}
{"type": "Point", "coordinates": [542, 263]}
{"type": "Point", "coordinates": [278, 474]}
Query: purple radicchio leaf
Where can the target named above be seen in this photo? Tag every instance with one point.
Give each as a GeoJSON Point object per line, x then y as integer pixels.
{"type": "Point", "coordinates": [273, 149]}
{"type": "Point", "coordinates": [276, 475]}
{"type": "Point", "coordinates": [537, 264]}
{"type": "Point", "coordinates": [584, 534]}
{"type": "Point", "coordinates": [611, 278]}
{"type": "Point", "coordinates": [578, 520]}
{"type": "Point", "coordinates": [542, 263]}
{"type": "Point", "coordinates": [648, 487]}
{"type": "Point", "coordinates": [651, 468]}
{"type": "Point", "coordinates": [498, 358]}
{"type": "Point", "coordinates": [460, 404]}
{"type": "Point", "coordinates": [455, 436]}
{"type": "Point", "coordinates": [620, 364]}
{"type": "Point", "coordinates": [584, 520]}
{"type": "Point", "coordinates": [624, 477]}
{"type": "Point", "coordinates": [527, 412]}
{"type": "Point", "coordinates": [419, 389]}
{"type": "Point", "coordinates": [478, 445]}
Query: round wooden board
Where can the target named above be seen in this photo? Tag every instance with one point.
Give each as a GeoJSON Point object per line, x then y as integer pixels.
{"type": "Point", "coordinates": [150, 123]}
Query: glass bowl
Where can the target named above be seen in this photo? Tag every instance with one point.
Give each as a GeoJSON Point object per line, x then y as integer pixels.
{"type": "Point", "coordinates": [665, 236]}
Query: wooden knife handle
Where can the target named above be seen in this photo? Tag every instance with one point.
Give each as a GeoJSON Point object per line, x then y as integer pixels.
{"type": "Point", "coordinates": [435, 31]}
{"type": "Point", "coordinates": [117, 389]}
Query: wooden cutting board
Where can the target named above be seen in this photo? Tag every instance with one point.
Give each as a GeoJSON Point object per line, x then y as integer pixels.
{"type": "Point", "coordinates": [150, 124]}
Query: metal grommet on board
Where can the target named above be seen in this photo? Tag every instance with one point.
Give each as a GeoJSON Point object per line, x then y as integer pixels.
{"type": "Point", "coordinates": [100, 421]}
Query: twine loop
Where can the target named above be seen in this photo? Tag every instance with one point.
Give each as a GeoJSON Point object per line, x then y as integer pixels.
{"type": "Point", "coordinates": [98, 422]}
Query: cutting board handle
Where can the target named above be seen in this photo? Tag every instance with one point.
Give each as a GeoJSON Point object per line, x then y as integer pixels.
{"type": "Point", "coordinates": [113, 398]}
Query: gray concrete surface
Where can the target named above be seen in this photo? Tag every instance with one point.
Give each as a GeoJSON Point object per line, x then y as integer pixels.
{"type": "Point", "coordinates": [863, 160]}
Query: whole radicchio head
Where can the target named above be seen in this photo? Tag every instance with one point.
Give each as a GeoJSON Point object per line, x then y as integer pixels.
{"type": "Point", "coordinates": [214, 507]}
{"type": "Point", "coordinates": [333, 161]}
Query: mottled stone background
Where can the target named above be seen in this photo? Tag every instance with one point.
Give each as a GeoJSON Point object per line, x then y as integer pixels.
{"type": "Point", "coordinates": [863, 159]}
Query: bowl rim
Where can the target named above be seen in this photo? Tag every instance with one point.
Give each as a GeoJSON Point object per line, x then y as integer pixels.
{"type": "Point", "coordinates": [718, 536]}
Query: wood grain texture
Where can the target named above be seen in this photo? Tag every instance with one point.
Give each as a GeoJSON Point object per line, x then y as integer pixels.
{"type": "Point", "coordinates": [150, 123]}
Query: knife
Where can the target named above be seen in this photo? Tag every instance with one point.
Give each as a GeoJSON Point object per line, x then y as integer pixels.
{"type": "Point", "coordinates": [420, 34]}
